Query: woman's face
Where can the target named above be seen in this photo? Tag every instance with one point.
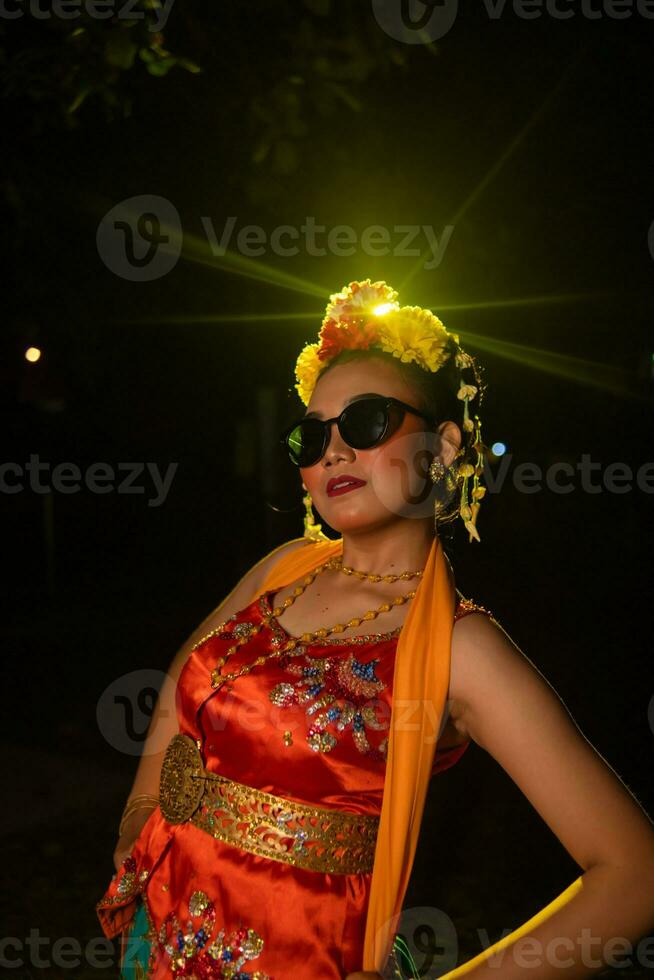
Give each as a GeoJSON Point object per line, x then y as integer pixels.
{"type": "Point", "coordinates": [396, 484]}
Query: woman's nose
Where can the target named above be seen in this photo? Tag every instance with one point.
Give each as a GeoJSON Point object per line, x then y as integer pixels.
{"type": "Point", "coordinates": [336, 445]}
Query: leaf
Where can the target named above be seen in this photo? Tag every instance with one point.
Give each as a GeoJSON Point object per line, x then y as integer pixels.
{"type": "Point", "coordinates": [161, 67]}
{"type": "Point", "coordinates": [79, 99]}
{"type": "Point", "coordinates": [120, 50]}
{"type": "Point", "coordinates": [189, 65]}
{"type": "Point", "coordinates": [341, 92]}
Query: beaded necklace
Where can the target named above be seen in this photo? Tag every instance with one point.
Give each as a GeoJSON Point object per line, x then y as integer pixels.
{"type": "Point", "coordinates": [218, 679]}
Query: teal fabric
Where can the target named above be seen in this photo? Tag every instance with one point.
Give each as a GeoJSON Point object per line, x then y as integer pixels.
{"type": "Point", "coordinates": [405, 964]}
{"type": "Point", "coordinates": [137, 952]}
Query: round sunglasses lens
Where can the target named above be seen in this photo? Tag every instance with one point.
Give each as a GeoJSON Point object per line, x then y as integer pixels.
{"type": "Point", "coordinates": [364, 422]}
{"type": "Point", "coordinates": [305, 443]}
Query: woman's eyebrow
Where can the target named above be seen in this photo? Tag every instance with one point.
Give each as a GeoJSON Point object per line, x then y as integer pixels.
{"type": "Point", "coordinates": [354, 398]}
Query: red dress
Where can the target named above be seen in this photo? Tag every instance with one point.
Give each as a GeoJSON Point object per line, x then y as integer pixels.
{"type": "Point", "coordinates": [296, 727]}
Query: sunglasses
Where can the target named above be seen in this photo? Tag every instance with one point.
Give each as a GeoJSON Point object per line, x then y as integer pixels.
{"type": "Point", "coordinates": [362, 424]}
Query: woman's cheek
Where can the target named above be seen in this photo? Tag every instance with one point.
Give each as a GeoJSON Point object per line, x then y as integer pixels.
{"type": "Point", "coordinates": [399, 476]}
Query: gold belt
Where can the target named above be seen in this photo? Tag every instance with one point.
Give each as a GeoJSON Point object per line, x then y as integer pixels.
{"type": "Point", "coordinates": [309, 837]}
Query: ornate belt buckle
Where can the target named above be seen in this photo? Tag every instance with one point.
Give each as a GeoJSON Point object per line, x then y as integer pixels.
{"type": "Point", "coordinates": [182, 780]}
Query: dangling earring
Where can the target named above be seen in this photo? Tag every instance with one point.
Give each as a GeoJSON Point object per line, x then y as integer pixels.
{"type": "Point", "coordinates": [312, 531]}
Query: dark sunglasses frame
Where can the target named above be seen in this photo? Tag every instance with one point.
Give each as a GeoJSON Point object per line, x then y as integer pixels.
{"type": "Point", "coordinates": [387, 402]}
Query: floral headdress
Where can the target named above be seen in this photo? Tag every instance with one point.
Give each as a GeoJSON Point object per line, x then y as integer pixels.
{"type": "Point", "coordinates": [365, 316]}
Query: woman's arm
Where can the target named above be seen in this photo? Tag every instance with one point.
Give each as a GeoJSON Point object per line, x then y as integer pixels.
{"type": "Point", "coordinates": [508, 708]}
{"type": "Point", "coordinates": [163, 724]}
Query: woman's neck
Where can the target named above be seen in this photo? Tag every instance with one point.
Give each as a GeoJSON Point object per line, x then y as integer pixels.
{"type": "Point", "coordinates": [401, 548]}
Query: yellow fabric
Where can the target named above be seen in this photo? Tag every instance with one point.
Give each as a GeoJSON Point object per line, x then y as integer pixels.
{"type": "Point", "coordinates": [523, 930]}
{"type": "Point", "coordinates": [420, 687]}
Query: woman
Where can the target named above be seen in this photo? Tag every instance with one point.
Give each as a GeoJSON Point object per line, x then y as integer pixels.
{"type": "Point", "coordinates": [272, 824]}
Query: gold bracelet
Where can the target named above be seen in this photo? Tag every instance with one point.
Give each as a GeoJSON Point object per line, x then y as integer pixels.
{"type": "Point", "coordinates": [136, 803]}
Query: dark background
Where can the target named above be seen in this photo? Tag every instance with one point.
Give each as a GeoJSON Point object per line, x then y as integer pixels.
{"type": "Point", "coordinates": [532, 138]}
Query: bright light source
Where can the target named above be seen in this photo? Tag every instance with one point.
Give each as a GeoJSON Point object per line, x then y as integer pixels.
{"type": "Point", "coordinates": [32, 354]}
{"type": "Point", "coordinates": [498, 448]}
{"type": "Point", "coordinates": [384, 308]}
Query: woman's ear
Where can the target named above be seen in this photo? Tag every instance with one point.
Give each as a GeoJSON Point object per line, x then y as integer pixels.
{"type": "Point", "coordinates": [450, 434]}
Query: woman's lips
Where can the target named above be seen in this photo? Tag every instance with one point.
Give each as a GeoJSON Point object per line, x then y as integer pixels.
{"type": "Point", "coordinates": [337, 491]}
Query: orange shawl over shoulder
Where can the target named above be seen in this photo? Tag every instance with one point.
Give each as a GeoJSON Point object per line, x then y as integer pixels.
{"type": "Point", "coordinates": [420, 687]}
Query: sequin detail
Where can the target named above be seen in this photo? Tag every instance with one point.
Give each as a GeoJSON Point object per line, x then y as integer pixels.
{"type": "Point", "coordinates": [341, 692]}
{"type": "Point", "coordinates": [127, 883]}
{"type": "Point", "coordinates": [466, 606]}
{"type": "Point", "coordinates": [194, 954]}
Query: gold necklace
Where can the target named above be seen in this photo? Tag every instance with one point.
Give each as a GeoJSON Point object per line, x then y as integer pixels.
{"type": "Point", "coordinates": [218, 679]}
{"type": "Point", "coordinates": [337, 563]}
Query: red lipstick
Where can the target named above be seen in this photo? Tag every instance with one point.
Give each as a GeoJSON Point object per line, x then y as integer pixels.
{"type": "Point", "coordinates": [341, 484]}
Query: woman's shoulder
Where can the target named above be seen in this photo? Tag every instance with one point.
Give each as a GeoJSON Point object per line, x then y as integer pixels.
{"type": "Point", "coordinates": [245, 592]}
{"type": "Point", "coordinates": [250, 585]}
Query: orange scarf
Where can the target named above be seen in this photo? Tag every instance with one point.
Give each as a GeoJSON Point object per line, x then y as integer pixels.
{"type": "Point", "coordinates": [420, 687]}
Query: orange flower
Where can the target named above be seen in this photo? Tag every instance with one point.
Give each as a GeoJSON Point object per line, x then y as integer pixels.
{"type": "Point", "coordinates": [349, 333]}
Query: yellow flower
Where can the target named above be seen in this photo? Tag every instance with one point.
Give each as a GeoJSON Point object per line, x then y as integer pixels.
{"type": "Point", "coordinates": [307, 368]}
{"type": "Point", "coordinates": [468, 425]}
{"type": "Point", "coordinates": [462, 359]}
{"type": "Point", "coordinates": [414, 334]}
{"type": "Point", "coordinates": [466, 392]}
{"type": "Point", "coordinates": [360, 298]}
{"type": "Point", "coordinates": [472, 530]}
{"type": "Point", "coordinates": [471, 524]}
